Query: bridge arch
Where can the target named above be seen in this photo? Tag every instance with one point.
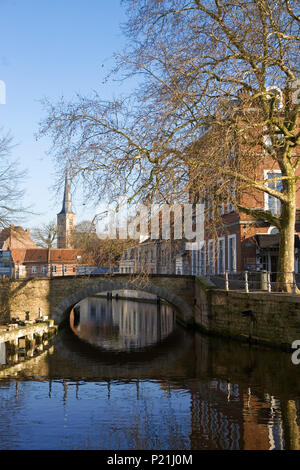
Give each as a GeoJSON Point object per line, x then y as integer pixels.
{"type": "Point", "coordinates": [62, 309]}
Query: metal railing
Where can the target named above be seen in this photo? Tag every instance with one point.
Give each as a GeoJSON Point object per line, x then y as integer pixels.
{"type": "Point", "coordinates": [249, 281]}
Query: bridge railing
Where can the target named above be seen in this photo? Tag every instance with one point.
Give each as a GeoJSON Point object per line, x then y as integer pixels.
{"type": "Point", "coordinates": [248, 281]}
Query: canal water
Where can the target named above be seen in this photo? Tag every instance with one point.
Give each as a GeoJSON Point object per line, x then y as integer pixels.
{"type": "Point", "coordinates": [125, 375]}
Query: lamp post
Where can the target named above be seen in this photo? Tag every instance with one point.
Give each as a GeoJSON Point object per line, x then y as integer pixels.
{"type": "Point", "coordinates": [78, 257]}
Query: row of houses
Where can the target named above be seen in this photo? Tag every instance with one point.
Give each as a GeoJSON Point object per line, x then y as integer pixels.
{"type": "Point", "coordinates": [233, 240]}
{"type": "Point", "coordinates": [241, 244]}
{"type": "Point", "coordinates": [20, 258]}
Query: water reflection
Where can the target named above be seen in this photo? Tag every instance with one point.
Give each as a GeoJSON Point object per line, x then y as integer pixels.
{"type": "Point", "coordinates": [188, 391]}
{"type": "Point", "coordinates": [121, 325]}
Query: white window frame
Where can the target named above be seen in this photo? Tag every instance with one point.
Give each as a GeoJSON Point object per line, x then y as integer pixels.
{"type": "Point", "coordinates": [266, 195]}
{"type": "Point", "coordinates": [221, 239]}
{"type": "Point", "coordinates": [194, 258]}
{"type": "Point", "coordinates": [234, 264]}
{"type": "Point", "coordinates": [202, 266]}
{"type": "Point", "coordinates": [210, 265]}
{"type": "Point", "coordinates": [271, 228]}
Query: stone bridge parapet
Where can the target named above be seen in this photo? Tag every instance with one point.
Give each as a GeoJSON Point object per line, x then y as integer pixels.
{"type": "Point", "coordinates": [54, 297]}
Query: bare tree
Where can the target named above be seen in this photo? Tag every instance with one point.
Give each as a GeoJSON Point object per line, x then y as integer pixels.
{"type": "Point", "coordinates": [45, 236]}
{"type": "Point", "coordinates": [180, 128]}
{"type": "Point", "coordinates": [96, 251]}
{"type": "Point", "coordinates": [11, 194]}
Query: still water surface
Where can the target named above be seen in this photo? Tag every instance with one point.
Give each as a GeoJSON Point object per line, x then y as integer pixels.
{"type": "Point", "coordinates": [126, 376]}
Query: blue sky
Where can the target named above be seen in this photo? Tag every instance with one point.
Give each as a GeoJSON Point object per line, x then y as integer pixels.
{"type": "Point", "coordinates": [50, 48]}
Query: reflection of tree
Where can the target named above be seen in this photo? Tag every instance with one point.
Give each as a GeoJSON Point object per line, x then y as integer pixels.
{"type": "Point", "coordinates": [291, 428]}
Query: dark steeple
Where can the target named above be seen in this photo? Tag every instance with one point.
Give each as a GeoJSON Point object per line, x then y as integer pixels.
{"type": "Point", "coordinates": [67, 208]}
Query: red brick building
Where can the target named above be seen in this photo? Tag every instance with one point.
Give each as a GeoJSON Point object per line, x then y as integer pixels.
{"type": "Point", "coordinates": [44, 262]}
{"type": "Point", "coordinates": [239, 241]}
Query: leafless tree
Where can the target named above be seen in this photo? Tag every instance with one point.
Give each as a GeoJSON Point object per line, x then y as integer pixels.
{"type": "Point", "coordinates": [45, 236]}
{"type": "Point", "coordinates": [11, 194]}
{"type": "Point", "coordinates": [215, 79]}
{"type": "Point", "coordinates": [96, 251]}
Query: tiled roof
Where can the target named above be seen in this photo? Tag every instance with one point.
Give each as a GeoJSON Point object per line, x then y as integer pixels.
{"type": "Point", "coordinates": [43, 255]}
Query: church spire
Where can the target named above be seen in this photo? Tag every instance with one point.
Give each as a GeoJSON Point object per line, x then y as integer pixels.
{"type": "Point", "coordinates": [67, 206]}
{"type": "Point", "coordinates": [66, 220]}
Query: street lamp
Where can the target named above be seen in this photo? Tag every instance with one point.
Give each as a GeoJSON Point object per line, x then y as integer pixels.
{"type": "Point", "coordinates": [78, 257]}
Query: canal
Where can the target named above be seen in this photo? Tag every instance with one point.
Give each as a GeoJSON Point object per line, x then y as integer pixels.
{"type": "Point", "coordinates": [125, 375]}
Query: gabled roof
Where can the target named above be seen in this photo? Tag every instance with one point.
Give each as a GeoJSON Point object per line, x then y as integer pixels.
{"type": "Point", "coordinates": [16, 238]}
{"type": "Point", "coordinates": [18, 255]}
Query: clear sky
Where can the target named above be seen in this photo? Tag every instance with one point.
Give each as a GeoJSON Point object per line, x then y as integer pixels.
{"type": "Point", "coordinates": [50, 48]}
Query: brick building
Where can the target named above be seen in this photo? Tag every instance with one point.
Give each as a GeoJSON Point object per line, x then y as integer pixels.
{"type": "Point", "coordinates": [15, 237]}
{"type": "Point", "coordinates": [238, 241]}
{"type": "Point", "coordinates": [44, 262]}
{"type": "Point", "coordinates": [156, 257]}
{"type": "Point", "coordinates": [20, 258]}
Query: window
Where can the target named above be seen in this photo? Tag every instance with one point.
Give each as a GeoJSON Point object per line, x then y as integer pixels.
{"type": "Point", "coordinates": [211, 257]}
{"type": "Point", "coordinates": [273, 230]}
{"type": "Point", "coordinates": [33, 270]}
{"type": "Point", "coordinates": [194, 261]}
{"type": "Point", "coordinates": [273, 204]}
{"type": "Point", "coordinates": [202, 261]}
{"type": "Point", "coordinates": [221, 255]}
{"type": "Point", "coordinates": [232, 253]}
{"type": "Point", "coordinates": [179, 265]}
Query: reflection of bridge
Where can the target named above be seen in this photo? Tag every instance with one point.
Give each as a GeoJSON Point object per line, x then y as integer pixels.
{"type": "Point", "coordinates": [54, 297]}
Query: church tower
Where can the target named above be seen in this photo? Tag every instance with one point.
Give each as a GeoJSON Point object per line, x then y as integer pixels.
{"type": "Point", "coordinates": [66, 220]}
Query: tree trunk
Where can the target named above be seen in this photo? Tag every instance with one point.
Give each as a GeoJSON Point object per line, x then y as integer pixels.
{"type": "Point", "coordinates": [286, 258]}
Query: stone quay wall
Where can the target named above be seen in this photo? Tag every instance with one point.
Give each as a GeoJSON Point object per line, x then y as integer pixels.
{"type": "Point", "coordinates": [257, 317]}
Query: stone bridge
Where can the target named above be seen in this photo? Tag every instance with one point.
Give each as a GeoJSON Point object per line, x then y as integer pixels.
{"type": "Point", "coordinates": [55, 297]}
